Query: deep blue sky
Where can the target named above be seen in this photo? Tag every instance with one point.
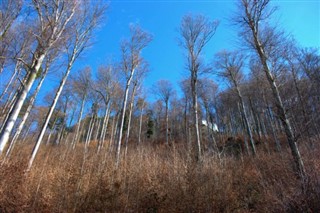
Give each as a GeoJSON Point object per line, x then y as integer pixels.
{"type": "Point", "coordinates": [162, 19]}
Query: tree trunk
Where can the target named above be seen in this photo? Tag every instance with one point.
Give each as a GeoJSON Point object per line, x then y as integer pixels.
{"type": "Point", "coordinates": [75, 138]}
{"type": "Point", "coordinates": [130, 116]}
{"type": "Point", "coordinates": [246, 122]}
{"type": "Point", "coordinates": [26, 114]}
{"type": "Point", "coordinates": [104, 127]}
{"type": "Point", "coordinates": [123, 112]}
{"type": "Point", "coordinates": [8, 126]}
{"type": "Point", "coordinates": [195, 111]}
{"type": "Point", "coordinates": [49, 114]}
{"type": "Point", "coordinates": [281, 111]}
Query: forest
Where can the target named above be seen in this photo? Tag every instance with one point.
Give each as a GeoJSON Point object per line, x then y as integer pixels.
{"type": "Point", "coordinates": [75, 138]}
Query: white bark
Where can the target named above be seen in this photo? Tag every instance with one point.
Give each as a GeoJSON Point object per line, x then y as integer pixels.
{"type": "Point", "coordinates": [8, 126]}
{"type": "Point", "coordinates": [49, 114]}
{"type": "Point", "coordinates": [130, 116]}
{"type": "Point", "coordinates": [26, 114]}
{"type": "Point", "coordinates": [123, 112]}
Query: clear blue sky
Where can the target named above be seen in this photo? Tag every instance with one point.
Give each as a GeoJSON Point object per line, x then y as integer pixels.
{"type": "Point", "coordinates": [162, 19]}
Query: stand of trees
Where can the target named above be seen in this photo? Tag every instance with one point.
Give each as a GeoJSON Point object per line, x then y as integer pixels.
{"type": "Point", "coordinates": [277, 98]}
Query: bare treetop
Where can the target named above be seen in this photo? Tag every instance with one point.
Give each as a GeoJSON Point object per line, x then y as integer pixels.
{"type": "Point", "coordinates": [229, 65]}
{"type": "Point", "coordinates": [196, 32]}
{"type": "Point", "coordinates": [131, 48]}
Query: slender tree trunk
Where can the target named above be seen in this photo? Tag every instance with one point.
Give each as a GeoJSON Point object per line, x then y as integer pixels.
{"type": "Point", "coordinates": [282, 114]}
{"type": "Point", "coordinates": [8, 126]}
{"type": "Point", "coordinates": [195, 113]}
{"type": "Point", "coordinates": [49, 114]}
{"type": "Point", "coordinates": [104, 127]}
{"type": "Point", "coordinates": [27, 113]}
{"type": "Point", "coordinates": [123, 112]}
{"type": "Point", "coordinates": [75, 138]}
{"type": "Point", "coordinates": [246, 122]}
{"type": "Point", "coordinates": [130, 116]}
{"type": "Point", "coordinates": [89, 132]}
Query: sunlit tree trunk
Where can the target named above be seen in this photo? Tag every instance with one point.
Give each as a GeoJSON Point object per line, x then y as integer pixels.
{"type": "Point", "coordinates": [26, 114]}
{"type": "Point", "coordinates": [8, 126]}
{"type": "Point", "coordinates": [130, 115]}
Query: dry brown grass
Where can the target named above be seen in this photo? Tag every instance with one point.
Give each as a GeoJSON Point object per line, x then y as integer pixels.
{"type": "Point", "coordinates": [156, 179]}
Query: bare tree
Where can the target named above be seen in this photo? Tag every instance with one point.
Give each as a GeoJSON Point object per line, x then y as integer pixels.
{"type": "Point", "coordinates": [264, 40]}
{"type": "Point", "coordinates": [164, 90]}
{"type": "Point", "coordinates": [31, 102]}
{"type": "Point", "coordinates": [229, 65]}
{"type": "Point", "coordinates": [53, 17]}
{"type": "Point", "coordinates": [131, 59]}
{"type": "Point", "coordinates": [81, 30]}
{"type": "Point", "coordinates": [141, 71]}
{"type": "Point", "coordinates": [196, 32]}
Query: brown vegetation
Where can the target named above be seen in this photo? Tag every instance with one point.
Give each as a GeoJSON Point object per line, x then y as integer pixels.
{"type": "Point", "coordinates": [157, 180]}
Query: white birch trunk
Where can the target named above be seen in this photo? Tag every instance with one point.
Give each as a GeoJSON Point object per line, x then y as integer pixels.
{"type": "Point", "coordinates": [123, 111]}
{"type": "Point", "coordinates": [8, 126]}
{"type": "Point", "coordinates": [130, 116]}
{"type": "Point", "coordinates": [49, 114]}
{"type": "Point", "coordinates": [26, 115]}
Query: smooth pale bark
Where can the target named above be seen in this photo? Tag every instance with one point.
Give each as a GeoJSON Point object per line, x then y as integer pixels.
{"type": "Point", "coordinates": [26, 114]}
{"type": "Point", "coordinates": [195, 112]}
{"type": "Point", "coordinates": [8, 126]}
{"type": "Point", "coordinates": [123, 112]}
{"type": "Point", "coordinates": [130, 115]}
{"type": "Point", "coordinates": [89, 132]}
{"type": "Point", "coordinates": [59, 19]}
{"type": "Point", "coordinates": [49, 114]}
{"type": "Point", "coordinates": [104, 127]}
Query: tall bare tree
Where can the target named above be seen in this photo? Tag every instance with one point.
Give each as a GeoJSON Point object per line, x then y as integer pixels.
{"type": "Point", "coordinates": [265, 41]}
{"type": "Point", "coordinates": [131, 59]}
{"type": "Point", "coordinates": [53, 18]}
{"type": "Point", "coordinates": [196, 32]}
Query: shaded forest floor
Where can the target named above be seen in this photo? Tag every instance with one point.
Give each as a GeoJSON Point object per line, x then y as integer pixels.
{"type": "Point", "coordinates": [157, 179]}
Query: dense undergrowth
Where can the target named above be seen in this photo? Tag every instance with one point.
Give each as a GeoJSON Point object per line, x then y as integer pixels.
{"type": "Point", "coordinates": [157, 179]}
